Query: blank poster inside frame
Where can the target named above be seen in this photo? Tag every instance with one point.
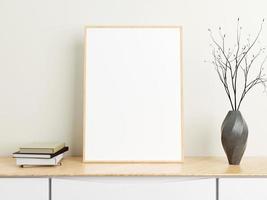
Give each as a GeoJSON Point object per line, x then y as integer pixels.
{"type": "Point", "coordinates": [133, 94]}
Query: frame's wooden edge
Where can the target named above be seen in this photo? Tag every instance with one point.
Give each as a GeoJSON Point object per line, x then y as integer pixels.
{"type": "Point", "coordinates": [133, 162]}
{"type": "Point", "coordinates": [133, 26]}
{"type": "Point", "coordinates": [182, 92]}
{"type": "Point", "coordinates": [84, 93]}
{"type": "Point", "coordinates": [181, 82]}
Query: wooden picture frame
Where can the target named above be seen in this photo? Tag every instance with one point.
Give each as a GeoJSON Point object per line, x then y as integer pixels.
{"type": "Point", "coordinates": [125, 83]}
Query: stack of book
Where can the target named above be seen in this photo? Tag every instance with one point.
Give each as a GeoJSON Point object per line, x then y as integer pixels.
{"type": "Point", "coordinates": [40, 154]}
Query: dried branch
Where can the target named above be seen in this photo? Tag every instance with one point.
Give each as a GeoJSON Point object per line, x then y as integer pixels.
{"type": "Point", "coordinates": [228, 62]}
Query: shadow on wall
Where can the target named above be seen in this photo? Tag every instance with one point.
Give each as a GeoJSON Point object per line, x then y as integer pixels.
{"type": "Point", "coordinates": [76, 138]}
{"type": "Point", "coordinates": [203, 132]}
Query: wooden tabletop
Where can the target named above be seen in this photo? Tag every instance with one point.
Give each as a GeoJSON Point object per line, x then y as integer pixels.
{"type": "Point", "coordinates": [192, 167]}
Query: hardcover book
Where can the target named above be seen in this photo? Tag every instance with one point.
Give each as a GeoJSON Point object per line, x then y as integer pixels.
{"type": "Point", "coordinates": [35, 161]}
{"type": "Point", "coordinates": [18, 154]}
{"type": "Point", "coordinates": [42, 148]}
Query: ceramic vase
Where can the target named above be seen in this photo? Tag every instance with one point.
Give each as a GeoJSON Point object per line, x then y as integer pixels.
{"type": "Point", "coordinates": [234, 136]}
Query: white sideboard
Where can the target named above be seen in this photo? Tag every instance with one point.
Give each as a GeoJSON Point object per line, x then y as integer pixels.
{"type": "Point", "coordinates": [196, 178]}
{"type": "Point", "coordinates": [133, 188]}
{"type": "Point", "coordinates": [24, 188]}
{"type": "Point", "coordinates": [243, 188]}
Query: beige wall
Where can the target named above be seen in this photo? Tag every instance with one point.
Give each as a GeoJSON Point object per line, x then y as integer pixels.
{"type": "Point", "coordinates": [41, 67]}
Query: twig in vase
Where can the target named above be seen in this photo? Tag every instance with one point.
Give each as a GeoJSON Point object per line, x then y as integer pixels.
{"type": "Point", "coordinates": [230, 62]}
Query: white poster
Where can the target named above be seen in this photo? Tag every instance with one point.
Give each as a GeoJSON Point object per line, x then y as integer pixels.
{"type": "Point", "coordinates": [133, 94]}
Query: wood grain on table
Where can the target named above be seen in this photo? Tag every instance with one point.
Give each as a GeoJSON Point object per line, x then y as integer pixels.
{"type": "Point", "coordinates": [192, 167]}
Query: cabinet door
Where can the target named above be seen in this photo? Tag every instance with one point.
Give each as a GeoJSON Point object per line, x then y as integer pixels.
{"type": "Point", "coordinates": [24, 189]}
{"type": "Point", "coordinates": [243, 188]}
{"type": "Point", "coordinates": [133, 188]}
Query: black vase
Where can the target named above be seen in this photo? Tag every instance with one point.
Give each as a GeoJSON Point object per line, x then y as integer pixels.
{"type": "Point", "coordinates": [234, 136]}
